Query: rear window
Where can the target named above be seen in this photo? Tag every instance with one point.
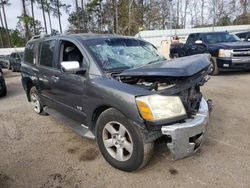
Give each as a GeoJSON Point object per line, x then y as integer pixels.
{"type": "Point", "coordinates": [29, 56]}
{"type": "Point", "coordinates": [47, 53]}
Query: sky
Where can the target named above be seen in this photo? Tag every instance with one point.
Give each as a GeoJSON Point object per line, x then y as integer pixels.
{"type": "Point", "coordinates": [15, 10]}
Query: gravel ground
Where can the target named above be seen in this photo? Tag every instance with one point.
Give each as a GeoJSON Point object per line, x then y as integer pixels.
{"type": "Point", "coordinates": [38, 151]}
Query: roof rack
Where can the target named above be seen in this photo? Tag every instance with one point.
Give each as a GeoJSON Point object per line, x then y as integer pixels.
{"type": "Point", "coordinates": [42, 35]}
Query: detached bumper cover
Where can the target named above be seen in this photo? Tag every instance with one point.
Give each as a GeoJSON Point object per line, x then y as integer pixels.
{"type": "Point", "coordinates": [187, 137]}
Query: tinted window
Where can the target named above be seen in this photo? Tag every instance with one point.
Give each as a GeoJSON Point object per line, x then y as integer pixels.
{"type": "Point", "coordinates": [29, 53]}
{"type": "Point", "coordinates": [242, 35]}
{"type": "Point", "coordinates": [191, 39]}
{"type": "Point", "coordinates": [70, 52]}
{"type": "Point", "coordinates": [213, 38]}
{"type": "Point", "coordinates": [47, 52]}
{"type": "Point", "coordinates": [12, 55]}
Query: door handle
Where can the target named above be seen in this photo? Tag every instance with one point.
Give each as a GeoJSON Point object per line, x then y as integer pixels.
{"type": "Point", "coordinates": [55, 78]}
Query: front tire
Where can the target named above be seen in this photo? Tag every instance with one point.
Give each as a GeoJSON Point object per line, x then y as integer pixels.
{"type": "Point", "coordinates": [214, 70]}
{"type": "Point", "coordinates": [121, 143]}
{"type": "Point", "coordinates": [35, 101]}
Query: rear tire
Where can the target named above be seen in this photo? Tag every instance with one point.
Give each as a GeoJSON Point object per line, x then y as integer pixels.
{"type": "Point", "coordinates": [4, 93]}
{"type": "Point", "coordinates": [214, 68]}
{"type": "Point", "coordinates": [13, 68]}
{"type": "Point", "coordinates": [35, 101]}
{"type": "Point", "coordinates": [121, 143]}
{"type": "Point", "coordinates": [9, 66]}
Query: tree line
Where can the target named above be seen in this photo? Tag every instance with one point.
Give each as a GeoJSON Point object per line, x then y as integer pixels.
{"type": "Point", "coordinates": [126, 17]}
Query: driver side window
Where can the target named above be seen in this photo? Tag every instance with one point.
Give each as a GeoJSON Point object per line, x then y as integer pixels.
{"type": "Point", "coordinates": [70, 52]}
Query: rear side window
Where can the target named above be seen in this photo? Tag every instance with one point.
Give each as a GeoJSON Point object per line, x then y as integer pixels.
{"type": "Point", "coordinates": [47, 53]}
{"type": "Point", "coordinates": [12, 55]}
{"type": "Point", "coordinates": [29, 56]}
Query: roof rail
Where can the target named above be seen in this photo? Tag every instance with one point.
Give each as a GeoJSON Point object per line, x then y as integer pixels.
{"type": "Point", "coordinates": [42, 35]}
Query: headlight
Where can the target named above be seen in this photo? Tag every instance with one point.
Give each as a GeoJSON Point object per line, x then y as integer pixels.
{"type": "Point", "coordinates": [157, 107]}
{"type": "Point", "coordinates": [225, 53]}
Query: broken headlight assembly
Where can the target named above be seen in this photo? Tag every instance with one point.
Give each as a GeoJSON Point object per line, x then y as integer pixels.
{"type": "Point", "coordinates": [158, 107]}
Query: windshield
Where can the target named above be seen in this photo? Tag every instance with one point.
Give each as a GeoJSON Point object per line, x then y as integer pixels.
{"type": "Point", "coordinates": [121, 53]}
{"type": "Point", "coordinates": [213, 38]}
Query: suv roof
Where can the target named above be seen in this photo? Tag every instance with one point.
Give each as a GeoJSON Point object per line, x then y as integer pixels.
{"type": "Point", "coordinates": [83, 36]}
{"type": "Point", "coordinates": [216, 32]}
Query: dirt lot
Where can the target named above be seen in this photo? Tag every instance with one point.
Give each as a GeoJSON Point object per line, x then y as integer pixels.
{"type": "Point", "coordinates": [38, 151]}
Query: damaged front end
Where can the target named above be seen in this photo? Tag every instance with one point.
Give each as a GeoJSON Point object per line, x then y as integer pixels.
{"type": "Point", "coordinates": [182, 78]}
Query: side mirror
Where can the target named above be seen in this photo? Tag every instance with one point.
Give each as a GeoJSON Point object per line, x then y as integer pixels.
{"type": "Point", "coordinates": [72, 67]}
{"type": "Point", "coordinates": [198, 42]}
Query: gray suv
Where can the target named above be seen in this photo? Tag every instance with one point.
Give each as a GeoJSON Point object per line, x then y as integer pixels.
{"type": "Point", "coordinates": [119, 91]}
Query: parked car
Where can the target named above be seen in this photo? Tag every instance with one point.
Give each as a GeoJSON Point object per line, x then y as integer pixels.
{"type": "Point", "coordinates": [120, 91]}
{"type": "Point", "coordinates": [15, 60]}
{"type": "Point", "coordinates": [5, 61]}
{"type": "Point", "coordinates": [227, 51]}
{"type": "Point", "coordinates": [244, 36]}
{"type": "Point", "coordinates": [3, 89]}
{"type": "Point", "coordinates": [1, 61]}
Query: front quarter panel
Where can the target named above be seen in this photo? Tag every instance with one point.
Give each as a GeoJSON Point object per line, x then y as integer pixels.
{"type": "Point", "coordinates": [103, 91]}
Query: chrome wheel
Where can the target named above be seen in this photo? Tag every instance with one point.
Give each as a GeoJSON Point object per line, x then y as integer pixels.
{"type": "Point", "coordinates": [35, 103]}
{"type": "Point", "coordinates": [117, 141]}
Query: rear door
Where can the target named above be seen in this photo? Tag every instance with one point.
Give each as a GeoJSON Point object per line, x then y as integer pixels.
{"type": "Point", "coordinates": [46, 71]}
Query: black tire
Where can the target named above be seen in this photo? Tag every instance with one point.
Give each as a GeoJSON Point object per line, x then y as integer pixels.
{"type": "Point", "coordinates": [35, 100]}
{"type": "Point", "coordinates": [4, 93]}
{"type": "Point", "coordinates": [214, 68]}
{"type": "Point", "coordinates": [13, 68]}
{"type": "Point", "coordinates": [176, 55]}
{"type": "Point", "coordinates": [141, 151]}
{"type": "Point", "coordinates": [9, 66]}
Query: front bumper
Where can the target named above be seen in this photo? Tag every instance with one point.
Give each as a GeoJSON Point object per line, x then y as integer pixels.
{"type": "Point", "coordinates": [233, 63]}
{"type": "Point", "coordinates": [187, 137]}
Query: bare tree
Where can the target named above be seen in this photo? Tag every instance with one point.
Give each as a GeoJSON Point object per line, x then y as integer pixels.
{"type": "Point", "coordinates": [57, 5]}
{"type": "Point", "coordinates": [25, 21]}
{"type": "Point", "coordinates": [1, 37]}
{"type": "Point", "coordinates": [44, 18]}
{"type": "Point", "coordinates": [47, 8]}
{"type": "Point", "coordinates": [3, 4]}
{"type": "Point", "coordinates": [33, 15]}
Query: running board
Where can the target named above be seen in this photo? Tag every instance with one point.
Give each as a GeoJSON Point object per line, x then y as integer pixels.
{"type": "Point", "coordinates": [80, 129]}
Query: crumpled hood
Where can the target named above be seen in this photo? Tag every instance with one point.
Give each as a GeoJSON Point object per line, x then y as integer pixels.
{"type": "Point", "coordinates": [231, 45]}
{"type": "Point", "coordinates": [180, 67]}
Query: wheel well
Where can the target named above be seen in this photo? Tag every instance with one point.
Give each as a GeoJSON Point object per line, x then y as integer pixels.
{"type": "Point", "coordinates": [97, 112]}
{"type": "Point", "coordinates": [29, 85]}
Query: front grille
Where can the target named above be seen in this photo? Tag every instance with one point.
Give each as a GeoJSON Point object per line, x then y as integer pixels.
{"type": "Point", "coordinates": [245, 52]}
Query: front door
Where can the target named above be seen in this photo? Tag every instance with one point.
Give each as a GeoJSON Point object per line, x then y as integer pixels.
{"type": "Point", "coordinates": [70, 89]}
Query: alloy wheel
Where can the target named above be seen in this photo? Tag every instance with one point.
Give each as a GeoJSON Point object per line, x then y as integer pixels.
{"type": "Point", "coordinates": [117, 141]}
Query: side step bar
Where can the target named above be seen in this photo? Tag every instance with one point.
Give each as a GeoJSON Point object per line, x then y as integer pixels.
{"type": "Point", "coordinates": [80, 129]}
